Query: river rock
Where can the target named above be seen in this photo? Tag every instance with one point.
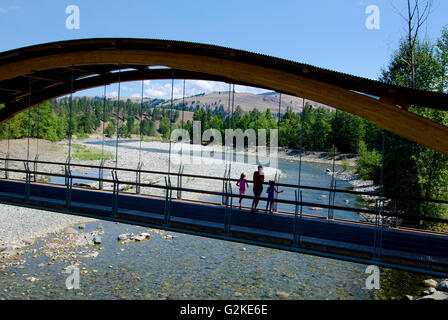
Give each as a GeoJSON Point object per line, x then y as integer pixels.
{"type": "Point", "coordinates": [430, 283]}
{"type": "Point", "coordinates": [282, 295]}
{"type": "Point", "coordinates": [443, 286]}
{"type": "Point", "coordinates": [438, 295]}
{"type": "Point", "coordinates": [430, 290]}
{"type": "Point", "coordinates": [28, 242]}
{"type": "Point", "coordinates": [138, 237]}
{"type": "Point", "coordinates": [82, 226]}
{"type": "Point", "coordinates": [97, 239]}
{"type": "Point", "coordinates": [124, 236]}
{"type": "Point", "coordinates": [69, 230]}
{"type": "Point", "coordinates": [146, 235]}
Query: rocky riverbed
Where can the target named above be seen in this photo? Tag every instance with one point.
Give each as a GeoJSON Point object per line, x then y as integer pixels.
{"type": "Point", "coordinates": [20, 227]}
{"type": "Point", "coordinates": [435, 291]}
{"type": "Point", "coordinates": [132, 262]}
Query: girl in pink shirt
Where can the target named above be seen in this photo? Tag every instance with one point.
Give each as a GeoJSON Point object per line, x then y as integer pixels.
{"type": "Point", "coordinates": [242, 183]}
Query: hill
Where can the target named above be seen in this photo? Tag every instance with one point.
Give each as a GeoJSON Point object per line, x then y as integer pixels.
{"type": "Point", "coordinates": [247, 101]}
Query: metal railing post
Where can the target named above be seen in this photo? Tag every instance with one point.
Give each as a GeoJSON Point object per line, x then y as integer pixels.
{"type": "Point", "coordinates": [331, 197]}
{"type": "Point", "coordinates": [228, 208]}
{"type": "Point", "coordinates": [138, 175]}
{"type": "Point", "coordinates": [297, 219]}
{"type": "Point", "coordinates": [27, 181]}
{"type": "Point", "coordinates": [378, 233]}
{"type": "Point", "coordinates": [277, 181]}
{"type": "Point", "coordinates": [7, 166]}
{"type": "Point", "coordinates": [67, 163]}
{"type": "Point", "coordinates": [223, 185]}
{"type": "Point", "coordinates": [168, 196]}
{"type": "Point", "coordinates": [36, 158]}
{"type": "Point", "coordinates": [69, 185]}
{"type": "Point", "coordinates": [116, 190]}
{"type": "Point", "coordinates": [179, 181]}
{"type": "Point", "coordinates": [296, 212]}
{"type": "Point", "coordinates": [101, 175]}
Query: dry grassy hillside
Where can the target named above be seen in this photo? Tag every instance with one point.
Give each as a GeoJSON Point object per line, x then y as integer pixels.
{"type": "Point", "coordinates": [247, 101]}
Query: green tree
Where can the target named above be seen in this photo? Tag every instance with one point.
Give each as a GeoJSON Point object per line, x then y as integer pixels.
{"type": "Point", "coordinates": [411, 169]}
{"type": "Point", "coordinates": [164, 127]}
{"type": "Point", "coordinates": [110, 129]}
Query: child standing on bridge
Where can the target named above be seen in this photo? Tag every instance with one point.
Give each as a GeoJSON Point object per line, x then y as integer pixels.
{"type": "Point", "coordinates": [242, 183]}
{"type": "Point", "coordinates": [270, 193]}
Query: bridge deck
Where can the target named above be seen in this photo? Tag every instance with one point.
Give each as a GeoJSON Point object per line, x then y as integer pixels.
{"type": "Point", "coordinates": [404, 249]}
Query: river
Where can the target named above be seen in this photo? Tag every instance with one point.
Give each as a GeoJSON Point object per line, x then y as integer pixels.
{"type": "Point", "coordinates": [192, 267]}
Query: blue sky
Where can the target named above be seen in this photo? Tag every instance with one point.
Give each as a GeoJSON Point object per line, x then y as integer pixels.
{"type": "Point", "coordinates": [325, 33]}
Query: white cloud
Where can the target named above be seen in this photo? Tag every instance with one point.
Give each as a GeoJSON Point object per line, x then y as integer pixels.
{"type": "Point", "coordinates": [112, 94]}
{"type": "Point", "coordinates": [162, 89]}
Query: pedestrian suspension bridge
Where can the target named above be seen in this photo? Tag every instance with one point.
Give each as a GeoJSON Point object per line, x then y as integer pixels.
{"type": "Point", "coordinates": [30, 76]}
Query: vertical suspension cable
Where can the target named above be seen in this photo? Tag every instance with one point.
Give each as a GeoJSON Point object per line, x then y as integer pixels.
{"type": "Point", "coordinates": [233, 121]}
{"type": "Point", "coordinates": [227, 151]}
{"type": "Point", "coordinates": [141, 121]}
{"type": "Point", "coordinates": [182, 123]}
{"type": "Point", "coordinates": [382, 164]}
{"type": "Point", "coordinates": [37, 134]}
{"type": "Point", "coordinates": [301, 146]}
{"type": "Point", "coordinates": [104, 121]}
{"type": "Point", "coordinates": [29, 119]}
{"type": "Point", "coordinates": [278, 119]}
{"type": "Point", "coordinates": [331, 195]}
{"type": "Point", "coordinates": [70, 120]}
{"type": "Point", "coordinates": [279, 110]}
{"type": "Point", "coordinates": [9, 133]}
{"type": "Point", "coordinates": [379, 218]}
{"type": "Point", "coordinates": [118, 118]}
{"type": "Point", "coordinates": [171, 120]}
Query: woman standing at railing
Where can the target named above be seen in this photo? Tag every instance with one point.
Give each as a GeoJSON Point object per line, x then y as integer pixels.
{"type": "Point", "coordinates": [258, 179]}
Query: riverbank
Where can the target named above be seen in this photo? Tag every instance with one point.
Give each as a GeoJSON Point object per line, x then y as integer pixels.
{"type": "Point", "coordinates": [20, 227]}
{"type": "Point", "coordinates": [437, 291]}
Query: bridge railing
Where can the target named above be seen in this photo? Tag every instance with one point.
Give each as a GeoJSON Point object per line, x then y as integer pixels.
{"type": "Point", "coordinates": [380, 210]}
